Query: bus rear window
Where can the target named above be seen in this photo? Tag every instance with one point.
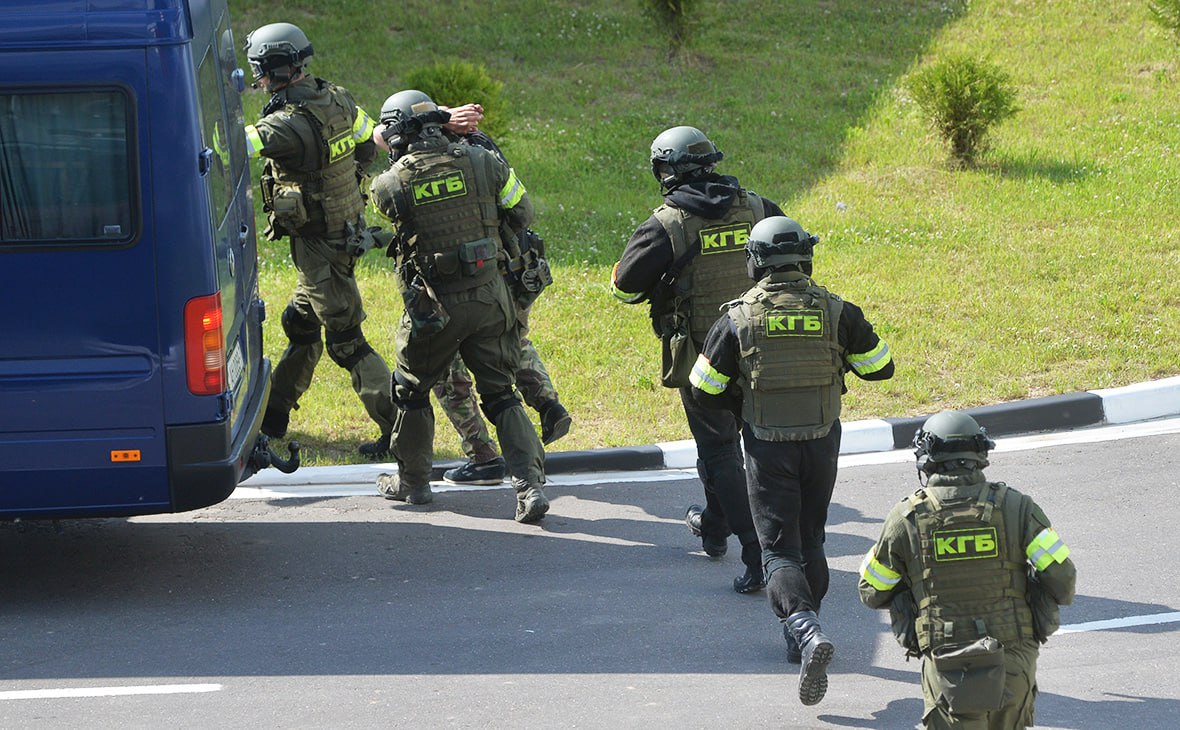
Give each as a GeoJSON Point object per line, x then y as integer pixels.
{"type": "Point", "coordinates": [66, 171]}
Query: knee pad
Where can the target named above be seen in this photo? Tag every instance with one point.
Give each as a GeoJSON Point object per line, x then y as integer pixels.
{"type": "Point", "coordinates": [347, 347]}
{"type": "Point", "coordinates": [493, 405]}
{"type": "Point", "coordinates": [405, 397]}
{"type": "Point", "coordinates": [299, 329]}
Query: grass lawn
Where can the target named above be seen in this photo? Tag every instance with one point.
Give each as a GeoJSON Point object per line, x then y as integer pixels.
{"type": "Point", "coordinates": [1048, 268]}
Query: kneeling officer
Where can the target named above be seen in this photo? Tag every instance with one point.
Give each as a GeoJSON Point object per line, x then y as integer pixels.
{"type": "Point", "coordinates": [448, 204]}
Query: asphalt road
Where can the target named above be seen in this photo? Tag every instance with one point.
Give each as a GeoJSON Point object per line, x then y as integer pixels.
{"type": "Point", "coordinates": [351, 611]}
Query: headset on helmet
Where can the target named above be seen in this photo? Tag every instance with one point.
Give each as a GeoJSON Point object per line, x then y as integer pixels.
{"type": "Point", "coordinates": [949, 437]}
{"type": "Point", "coordinates": [775, 242]}
{"type": "Point", "coordinates": [408, 114]}
{"type": "Point", "coordinates": [277, 50]}
{"type": "Point", "coordinates": [682, 153]}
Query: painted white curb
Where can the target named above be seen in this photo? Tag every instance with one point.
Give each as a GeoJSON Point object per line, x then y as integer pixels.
{"type": "Point", "coordinates": [1141, 402]}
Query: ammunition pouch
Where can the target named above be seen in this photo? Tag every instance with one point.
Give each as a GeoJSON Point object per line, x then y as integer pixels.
{"type": "Point", "coordinates": [464, 267]}
{"type": "Point", "coordinates": [970, 677]}
{"type": "Point", "coordinates": [288, 210]}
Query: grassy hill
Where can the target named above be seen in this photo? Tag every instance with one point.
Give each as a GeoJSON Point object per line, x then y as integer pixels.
{"type": "Point", "coordinates": [1047, 269]}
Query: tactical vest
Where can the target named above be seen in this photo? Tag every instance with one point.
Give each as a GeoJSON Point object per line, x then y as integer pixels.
{"type": "Point", "coordinates": [970, 586]}
{"type": "Point", "coordinates": [448, 207]}
{"type": "Point", "coordinates": [791, 359]}
{"type": "Point", "coordinates": [326, 178]}
{"type": "Point", "coordinates": [717, 273]}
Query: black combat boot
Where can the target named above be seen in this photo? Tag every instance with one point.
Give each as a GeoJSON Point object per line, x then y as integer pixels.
{"type": "Point", "coordinates": [378, 449]}
{"type": "Point", "coordinates": [794, 653]}
{"type": "Point", "coordinates": [391, 487]}
{"type": "Point", "coordinates": [753, 580]}
{"type": "Point", "coordinates": [275, 421]}
{"type": "Point", "coordinates": [555, 422]}
{"type": "Point", "coordinates": [713, 545]}
{"type": "Point", "coordinates": [816, 653]}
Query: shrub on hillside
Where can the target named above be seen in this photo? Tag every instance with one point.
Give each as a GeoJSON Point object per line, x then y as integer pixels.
{"type": "Point", "coordinates": [458, 82]}
{"type": "Point", "coordinates": [963, 98]}
{"type": "Point", "coordinates": [1166, 14]}
{"type": "Point", "coordinates": [672, 17]}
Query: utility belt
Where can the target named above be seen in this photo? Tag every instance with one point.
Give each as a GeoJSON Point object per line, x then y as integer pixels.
{"type": "Point", "coordinates": [464, 267]}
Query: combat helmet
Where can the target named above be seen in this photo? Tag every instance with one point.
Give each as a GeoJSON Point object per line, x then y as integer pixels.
{"type": "Point", "coordinates": [278, 50]}
{"type": "Point", "coordinates": [776, 242]}
{"type": "Point", "coordinates": [951, 440]}
{"type": "Point", "coordinates": [682, 153]}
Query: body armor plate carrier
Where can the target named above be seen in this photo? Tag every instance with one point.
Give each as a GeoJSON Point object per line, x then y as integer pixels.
{"type": "Point", "coordinates": [791, 359]}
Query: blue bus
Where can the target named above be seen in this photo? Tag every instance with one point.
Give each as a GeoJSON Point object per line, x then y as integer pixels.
{"type": "Point", "coordinates": [132, 379]}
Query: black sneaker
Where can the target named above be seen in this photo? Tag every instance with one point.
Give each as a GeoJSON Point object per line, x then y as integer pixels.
{"type": "Point", "coordinates": [488, 473]}
{"type": "Point", "coordinates": [555, 422]}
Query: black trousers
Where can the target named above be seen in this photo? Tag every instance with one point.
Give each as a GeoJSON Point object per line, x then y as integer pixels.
{"type": "Point", "coordinates": [717, 434]}
{"type": "Point", "coordinates": [791, 486]}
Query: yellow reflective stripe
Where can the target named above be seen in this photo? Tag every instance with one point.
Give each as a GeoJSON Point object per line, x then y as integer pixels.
{"type": "Point", "coordinates": [880, 576]}
{"type": "Point", "coordinates": [253, 142]}
{"type": "Point", "coordinates": [512, 191]}
{"type": "Point", "coordinates": [1046, 548]}
{"type": "Point", "coordinates": [622, 296]}
{"type": "Point", "coordinates": [362, 125]}
{"type": "Point", "coordinates": [871, 361]}
{"type": "Point", "coordinates": [706, 378]}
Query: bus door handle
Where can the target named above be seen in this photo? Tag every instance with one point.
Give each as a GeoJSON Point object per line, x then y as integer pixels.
{"type": "Point", "coordinates": [205, 161]}
{"type": "Point", "coordinates": [243, 234]}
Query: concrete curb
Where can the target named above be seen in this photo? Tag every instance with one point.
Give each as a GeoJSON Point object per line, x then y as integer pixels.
{"type": "Point", "coordinates": [1132, 403]}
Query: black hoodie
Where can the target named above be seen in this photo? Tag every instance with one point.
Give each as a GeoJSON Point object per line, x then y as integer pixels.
{"type": "Point", "coordinates": [649, 252]}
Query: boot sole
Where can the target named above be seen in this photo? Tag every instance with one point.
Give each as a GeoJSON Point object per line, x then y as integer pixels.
{"type": "Point", "coordinates": [474, 482]}
{"type": "Point", "coordinates": [813, 676]}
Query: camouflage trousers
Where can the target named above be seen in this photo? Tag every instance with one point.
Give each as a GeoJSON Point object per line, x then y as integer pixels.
{"type": "Point", "coordinates": [455, 395]}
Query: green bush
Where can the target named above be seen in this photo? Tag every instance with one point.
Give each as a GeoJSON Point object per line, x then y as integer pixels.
{"type": "Point", "coordinates": [672, 17]}
{"type": "Point", "coordinates": [1166, 14]}
{"type": "Point", "coordinates": [457, 83]}
{"type": "Point", "coordinates": [963, 98]}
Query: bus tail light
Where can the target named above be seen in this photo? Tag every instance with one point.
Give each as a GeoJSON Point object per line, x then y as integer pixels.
{"type": "Point", "coordinates": [204, 345]}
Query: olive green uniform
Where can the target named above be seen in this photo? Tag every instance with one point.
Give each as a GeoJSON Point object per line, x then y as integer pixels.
{"type": "Point", "coordinates": [446, 203]}
{"type": "Point", "coordinates": [313, 137]}
{"type": "Point", "coordinates": [963, 549]}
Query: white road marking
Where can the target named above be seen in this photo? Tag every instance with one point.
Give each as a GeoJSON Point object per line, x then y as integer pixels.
{"type": "Point", "coordinates": [66, 692]}
{"type": "Point", "coordinates": [1121, 623]}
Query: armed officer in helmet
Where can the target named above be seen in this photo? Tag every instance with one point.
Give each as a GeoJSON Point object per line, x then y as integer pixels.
{"type": "Point", "coordinates": [316, 141]}
{"type": "Point", "coordinates": [448, 204]}
{"type": "Point", "coordinates": [972, 573]}
{"type": "Point", "coordinates": [686, 260]}
{"type": "Point", "coordinates": [777, 357]}
{"type": "Point", "coordinates": [484, 464]}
